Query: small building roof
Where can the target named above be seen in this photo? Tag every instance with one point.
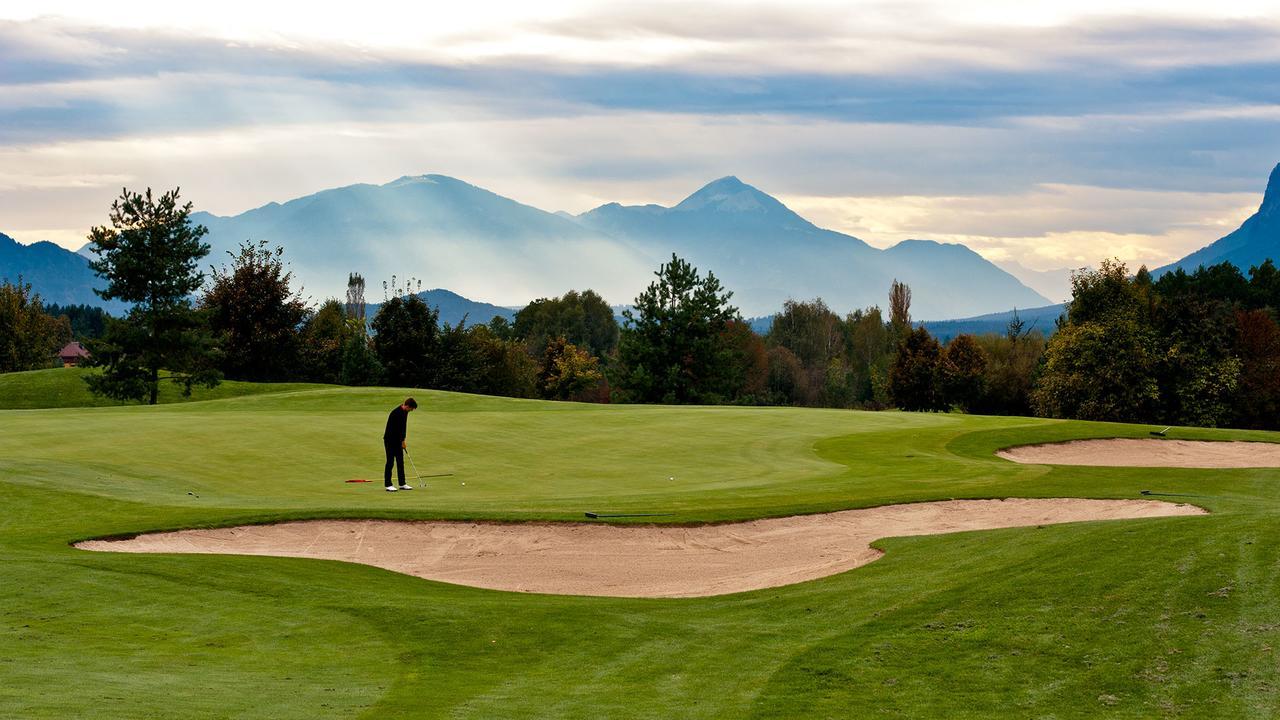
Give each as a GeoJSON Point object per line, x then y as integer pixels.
{"type": "Point", "coordinates": [73, 350]}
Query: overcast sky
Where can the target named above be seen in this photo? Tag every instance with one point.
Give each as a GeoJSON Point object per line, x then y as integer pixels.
{"type": "Point", "coordinates": [1049, 133]}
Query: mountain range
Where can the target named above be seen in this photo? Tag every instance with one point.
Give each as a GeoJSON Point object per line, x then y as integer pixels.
{"type": "Point", "coordinates": [56, 274]}
{"type": "Point", "coordinates": [480, 244]}
{"type": "Point", "coordinates": [477, 243]}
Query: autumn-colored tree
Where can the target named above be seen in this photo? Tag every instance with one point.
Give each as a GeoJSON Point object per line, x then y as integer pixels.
{"type": "Point", "coordinates": [1256, 402]}
{"type": "Point", "coordinates": [750, 362]}
{"type": "Point", "coordinates": [29, 337]}
{"type": "Point", "coordinates": [788, 383]}
{"type": "Point", "coordinates": [567, 370]}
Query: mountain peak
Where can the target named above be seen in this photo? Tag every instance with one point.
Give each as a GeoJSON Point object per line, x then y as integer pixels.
{"type": "Point", "coordinates": [729, 194]}
{"type": "Point", "coordinates": [1271, 199]}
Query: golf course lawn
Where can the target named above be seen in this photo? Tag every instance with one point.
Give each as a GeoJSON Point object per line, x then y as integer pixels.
{"type": "Point", "coordinates": [1170, 617]}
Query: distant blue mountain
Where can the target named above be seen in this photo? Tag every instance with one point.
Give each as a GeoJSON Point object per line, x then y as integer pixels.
{"type": "Point", "coordinates": [437, 229]}
{"type": "Point", "coordinates": [1255, 241]}
{"type": "Point", "coordinates": [57, 274]}
{"type": "Point", "coordinates": [479, 244]}
{"type": "Point", "coordinates": [1043, 319]}
{"type": "Point", "coordinates": [768, 254]}
{"type": "Point", "coordinates": [455, 309]}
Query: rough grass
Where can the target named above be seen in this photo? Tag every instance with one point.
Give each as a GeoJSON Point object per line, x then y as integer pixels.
{"type": "Point", "coordinates": [1169, 617]}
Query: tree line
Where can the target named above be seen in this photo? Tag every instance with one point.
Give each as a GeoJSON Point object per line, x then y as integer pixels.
{"type": "Point", "coordinates": [1198, 348]}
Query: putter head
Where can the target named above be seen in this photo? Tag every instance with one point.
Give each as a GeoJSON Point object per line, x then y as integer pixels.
{"type": "Point", "coordinates": [592, 515]}
{"type": "Point", "coordinates": [1144, 492]}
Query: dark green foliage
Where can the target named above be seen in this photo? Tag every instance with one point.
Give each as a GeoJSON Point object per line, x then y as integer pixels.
{"type": "Point", "coordinates": [360, 365]}
{"type": "Point", "coordinates": [1106, 293]}
{"type": "Point", "coordinates": [502, 365]}
{"type": "Point", "coordinates": [672, 349]}
{"type": "Point", "coordinates": [132, 354]}
{"type": "Point", "coordinates": [582, 319]}
{"type": "Point", "coordinates": [87, 321]}
{"type": "Point", "coordinates": [1100, 371]}
{"type": "Point", "coordinates": [1187, 349]}
{"type": "Point", "coordinates": [964, 367]}
{"type": "Point", "coordinates": [406, 340]}
{"type": "Point", "coordinates": [916, 378]}
{"type": "Point", "coordinates": [1257, 400]}
{"type": "Point", "coordinates": [256, 315]}
{"type": "Point", "coordinates": [749, 358]}
{"type": "Point", "coordinates": [816, 337]}
{"type": "Point", "coordinates": [29, 337]}
{"type": "Point", "coordinates": [149, 258]}
{"type": "Point", "coordinates": [1013, 360]}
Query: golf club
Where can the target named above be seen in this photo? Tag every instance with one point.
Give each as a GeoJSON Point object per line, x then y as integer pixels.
{"type": "Point", "coordinates": [416, 474]}
{"type": "Point", "coordinates": [1161, 433]}
{"type": "Point", "coordinates": [593, 516]}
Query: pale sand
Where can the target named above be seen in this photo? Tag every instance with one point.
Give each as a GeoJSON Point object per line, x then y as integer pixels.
{"type": "Point", "coordinates": [632, 561]}
{"type": "Point", "coordinates": [1153, 452]}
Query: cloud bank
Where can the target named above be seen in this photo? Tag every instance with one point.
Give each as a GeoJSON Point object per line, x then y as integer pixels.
{"type": "Point", "coordinates": [1045, 139]}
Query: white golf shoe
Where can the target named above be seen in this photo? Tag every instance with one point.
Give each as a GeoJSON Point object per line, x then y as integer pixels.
{"type": "Point", "coordinates": [406, 487]}
{"type": "Point", "coordinates": [391, 488]}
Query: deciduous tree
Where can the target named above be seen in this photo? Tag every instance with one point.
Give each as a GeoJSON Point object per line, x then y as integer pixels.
{"type": "Point", "coordinates": [29, 337]}
{"type": "Point", "coordinates": [256, 314]}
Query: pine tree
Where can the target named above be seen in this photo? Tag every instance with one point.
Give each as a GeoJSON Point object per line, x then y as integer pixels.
{"type": "Point", "coordinates": [149, 256]}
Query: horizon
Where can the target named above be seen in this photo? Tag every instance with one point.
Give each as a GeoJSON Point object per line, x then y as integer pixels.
{"type": "Point", "coordinates": [1039, 134]}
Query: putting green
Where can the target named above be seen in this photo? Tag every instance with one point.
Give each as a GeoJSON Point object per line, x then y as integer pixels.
{"type": "Point", "coordinates": [1142, 618]}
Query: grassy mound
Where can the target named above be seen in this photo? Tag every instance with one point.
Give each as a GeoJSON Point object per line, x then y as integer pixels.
{"type": "Point", "coordinates": [65, 387]}
{"type": "Point", "coordinates": [1149, 618]}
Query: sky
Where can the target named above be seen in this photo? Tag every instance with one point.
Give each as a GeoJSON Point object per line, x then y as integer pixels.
{"type": "Point", "coordinates": [1050, 134]}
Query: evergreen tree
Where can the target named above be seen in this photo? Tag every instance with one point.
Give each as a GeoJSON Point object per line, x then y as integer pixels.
{"type": "Point", "coordinates": [149, 256]}
{"type": "Point", "coordinates": [672, 349]}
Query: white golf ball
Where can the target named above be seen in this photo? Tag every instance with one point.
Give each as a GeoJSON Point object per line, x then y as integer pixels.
{"type": "Point", "coordinates": [671, 478]}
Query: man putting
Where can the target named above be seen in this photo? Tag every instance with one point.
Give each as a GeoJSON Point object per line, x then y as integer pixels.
{"type": "Point", "coordinates": [393, 441]}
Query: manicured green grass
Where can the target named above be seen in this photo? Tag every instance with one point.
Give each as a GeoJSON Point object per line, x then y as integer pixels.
{"type": "Point", "coordinates": [1172, 617]}
{"type": "Point", "coordinates": [65, 387]}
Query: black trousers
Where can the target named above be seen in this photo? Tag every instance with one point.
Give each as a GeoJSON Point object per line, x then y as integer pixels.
{"type": "Point", "coordinates": [395, 454]}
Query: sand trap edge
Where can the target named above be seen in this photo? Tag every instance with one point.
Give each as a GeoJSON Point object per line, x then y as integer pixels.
{"type": "Point", "coordinates": [597, 559]}
{"type": "Point", "coordinates": [1148, 453]}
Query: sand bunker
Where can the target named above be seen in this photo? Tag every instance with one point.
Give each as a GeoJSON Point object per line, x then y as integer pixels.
{"type": "Point", "coordinates": [1122, 452]}
{"type": "Point", "coordinates": [632, 561]}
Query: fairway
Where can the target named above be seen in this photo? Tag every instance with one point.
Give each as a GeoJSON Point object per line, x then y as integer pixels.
{"type": "Point", "coordinates": [1153, 617]}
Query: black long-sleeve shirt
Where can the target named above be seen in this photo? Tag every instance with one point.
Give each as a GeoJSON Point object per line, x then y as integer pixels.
{"type": "Point", "coordinates": [396, 425]}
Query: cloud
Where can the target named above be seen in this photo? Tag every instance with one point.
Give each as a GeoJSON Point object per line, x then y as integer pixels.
{"type": "Point", "coordinates": [1027, 139]}
{"type": "Point", "coordinates": [1049, 227]}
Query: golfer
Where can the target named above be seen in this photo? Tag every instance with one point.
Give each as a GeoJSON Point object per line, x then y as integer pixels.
{"type": "Point", "coordinates": [393, 441]}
